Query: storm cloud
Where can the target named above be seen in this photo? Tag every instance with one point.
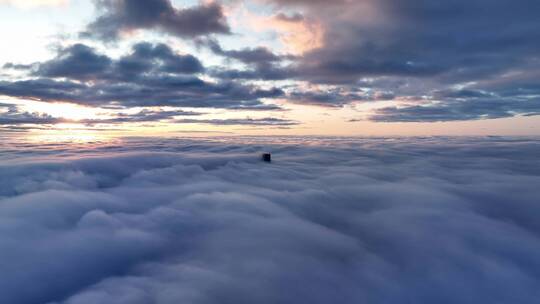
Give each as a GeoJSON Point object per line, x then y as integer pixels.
{"type": "Point", "coordinates": [374, 220]}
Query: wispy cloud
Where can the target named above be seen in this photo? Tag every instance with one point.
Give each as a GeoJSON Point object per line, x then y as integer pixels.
{"type": "Point", "coordinates": [268, 121]}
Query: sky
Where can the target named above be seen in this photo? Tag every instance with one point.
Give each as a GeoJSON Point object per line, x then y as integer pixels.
{"type": "Point", "coordinates": [270, 67]}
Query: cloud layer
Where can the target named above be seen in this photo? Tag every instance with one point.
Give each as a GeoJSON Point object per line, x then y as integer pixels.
{"type": "Point", "coordinates": [423, 220]}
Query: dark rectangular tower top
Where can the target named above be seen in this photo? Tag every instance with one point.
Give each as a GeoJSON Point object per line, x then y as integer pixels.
{"type": "Point", "coordinates": [267, 157]}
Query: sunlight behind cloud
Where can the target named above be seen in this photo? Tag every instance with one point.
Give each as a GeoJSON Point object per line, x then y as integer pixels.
{"type": "Point", "coordinates": [192, 220]}
{"type": "Point", "coordinates": [64, 110]}
{"type": "Point", "coordinates": [68, 133]}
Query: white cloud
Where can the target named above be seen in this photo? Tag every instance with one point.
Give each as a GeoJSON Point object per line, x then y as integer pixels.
{"type": "Point", "coordinates": [34, 3]}
{"type": "Point", "coordinates": [343, 221]}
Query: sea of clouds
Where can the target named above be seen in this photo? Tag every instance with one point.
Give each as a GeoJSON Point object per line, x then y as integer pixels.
{"type": "Point", "coordinates": [343, 220]}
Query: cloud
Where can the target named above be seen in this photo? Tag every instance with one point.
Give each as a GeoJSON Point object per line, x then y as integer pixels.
{"type": "Point", "coordinates": [445, 57]}
{"type": "Point", "coordinates": [121, 16]}
{"type": "Point", "coordinates": [146, 92]}
{"type": "Point", "coordinates": [336, 97]}
{"type": "Point", "coordinates": [414, 39]}
{"type": "Point", "coordinates": [261, 62]}
{"type": "Point", "coordinates": [404, 50]}
{"type": "Point", "coordinates": [11, 118]}
{"type": "Point", "coordinates": [77, 61]}
{"type": "Point", "coordinates": [146, 56]}
{"type": "Point", "coordinates": [470, 105]}
{"type": "Point", "coordinates": [258, 56]}
{"type": "Point", "coordinates": [376, 220]}
{"type": "Point", "coordinates": [144, 115]}
{"type": "Point", "coordinates": [430, 47]}
{"type": "Point", "coordinates": [14, 66]}
{"type": "Point", "coordinates": [150, 75]}
{"type": "Point", "coordinates": [261, 72]}
{"type": "Point", "coordinates": [82, 62]}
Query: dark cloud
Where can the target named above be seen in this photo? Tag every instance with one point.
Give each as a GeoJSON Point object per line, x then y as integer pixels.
{"type": "Point", "coordinates": [263, 64]}
{"type": "Point", "coordinates": [151, 75]}
{"type": "Point", "coordinates": [336, 97]}
{"type": "Point", "coordinates": [478, 45]}
{"type": "Point", "coordinates": [77, 61]}
{"type": "Point", "coordinates": [14, 66]}
{"type": "Point", "coordinates": [261, 72]}
{"type": "Point", "coordinates": [146, 92]}
{"type": "Point", "coordinates": [459, 60]}
{"type": "Point", "coordinates": [376, 220]}
{"type": "Point", "coordinates": [261, 107]}
{"type": "Point", "coordinates": [260, 55]}
{"type": "Point", "coordinates": [144, 115]}
{"type": "Point", "coordinates": [146, 57]}
{"type": "Point", "coordinates": [466, 93]}
{"type": "Point", "coordinates": [42, 89]}
{"type": "Point", "coordinates": [120, 16]}
{"type": "Point", "coordinates": [422, 39]}
{"type": "Point", "coordinates": [81, 62]}
{"type": "Point", "coordinates": [429, 49]}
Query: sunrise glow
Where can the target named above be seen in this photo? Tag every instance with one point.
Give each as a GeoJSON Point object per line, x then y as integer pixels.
{"type": "Point", "coordinates": [270, 152]}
